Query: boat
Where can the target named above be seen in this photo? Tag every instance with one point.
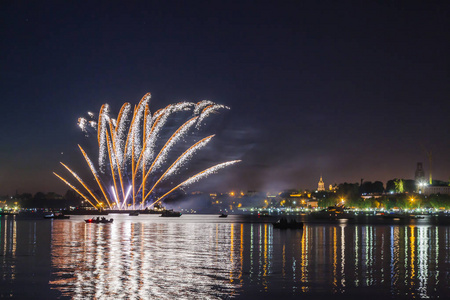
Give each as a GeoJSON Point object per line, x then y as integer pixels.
{"type": "Point", "coordinates": [283, 223]}
{"type": "Point", "coordinates": [223, 216]}
{"type": "Point", "coordinates": [396, 216]}
{"type": "Point", "coordinates": [264, 214]}
{"type": "Point", "coordinates": [8, 213]}
{"type": "Point", "coordinates": [170, 213]}
{"type": "Point", "coordinates": [332, 213]}
{"type": "Point", "coordinates": [97, 220]}
{"type": "Point", "coordinates": [134, 213]}
{"type": "Point", "coordinates": [59, 216]}
{"type": "Point", "coordinates": [150, 211]}
{"type": "Point", "coordinates": [86, 212]}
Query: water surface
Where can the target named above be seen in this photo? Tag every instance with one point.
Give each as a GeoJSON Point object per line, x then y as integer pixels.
{"type": "Point", "coordinates": [206, 257]}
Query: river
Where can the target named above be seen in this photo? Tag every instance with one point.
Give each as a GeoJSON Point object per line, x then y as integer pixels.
{"type": "Point", "coordinates": [206, 257]}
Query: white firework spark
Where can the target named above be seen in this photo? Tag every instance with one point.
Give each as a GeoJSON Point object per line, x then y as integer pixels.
{"type": "Point", "coordinates": [187, 155]}
{"type": "Point", "coordinates": [82, 122]}
{"type": "Point", "coordinates": [207, 111]}
{"type": "Point", "coordinates": [207, 172]}
{"type": "Point", "coordinates": [172, 141]}
{"type": "Point", "coordinates": [103, 119]}
{"type": "Point", "coordinates": [134, 147]}
{"type": "Point", "coordinates": [201, 105]}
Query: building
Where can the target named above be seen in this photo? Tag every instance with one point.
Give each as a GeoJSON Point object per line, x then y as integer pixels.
{"type": "Point", "coordinates": [321, 185]}
{"type": "Point", "coordinates": [333, 188]}
{"type": "Point", "coordinates": [436, 189]}
{"type": "Point", "coordinates": [420, 174]}
{"type": "Point", "coordinates": [312, 203]}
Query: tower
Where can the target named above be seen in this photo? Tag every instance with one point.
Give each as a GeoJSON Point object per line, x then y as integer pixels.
{"type": "Point", "coordinates": [420, 174]}
{"type": "Point", "coordinates": [430, 161]}
{"type": "Point", "coordinates": [321, 185]}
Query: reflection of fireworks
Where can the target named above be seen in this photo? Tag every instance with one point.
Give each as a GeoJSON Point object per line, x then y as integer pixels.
{"type": "Point", "coordinates": [133, 154]}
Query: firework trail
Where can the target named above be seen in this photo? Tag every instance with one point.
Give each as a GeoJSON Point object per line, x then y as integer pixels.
{"type": "Point", "coordinates": [134, 156]}
{"type": "Point", "coordinates": [207, 111]}
{"type": "Point", "coordinates": [197, 177]}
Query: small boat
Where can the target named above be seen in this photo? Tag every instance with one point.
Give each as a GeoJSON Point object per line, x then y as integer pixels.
{"type": "Point", "coordinates": [134, 213]}
{"type": "Point", "coordinates": [283, 223]}
{"type": "Point", "coordinates": [170, 213]}
{"type": "Point", "coordinates": [223, 216]}
{"type": "Point", "coordinates": [332, 213]}
{"type": "Point", "coordinates": [396, 216]}
{"type": "Point", "coordinates": [86, 212]}
{"type": "Point", "coordinates": [8, 213]}
{"type": "Point", "coordinates": [264, 214]}
{"type": "Point", "coordinates": [56, 216]}
{"type": "Point", "coordinates": [99, 221]}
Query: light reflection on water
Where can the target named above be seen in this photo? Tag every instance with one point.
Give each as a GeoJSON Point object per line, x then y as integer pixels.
{"type": "Point", "coordinates": [144, 259]}
{"type": "Point", "coordinates": [199, 257]}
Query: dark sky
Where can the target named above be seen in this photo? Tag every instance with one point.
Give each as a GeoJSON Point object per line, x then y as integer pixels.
{"type": "Point", "coordinates": [347, 90]}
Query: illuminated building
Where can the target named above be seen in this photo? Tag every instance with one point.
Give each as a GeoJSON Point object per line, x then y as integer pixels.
{"type": "Point", "coordinates": [436, 189]}
{"type": "Point", "coordinates": [321, 186]}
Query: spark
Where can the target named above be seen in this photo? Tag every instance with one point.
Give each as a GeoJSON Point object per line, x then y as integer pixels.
{"type": "Point", "coordinates": [82, 124]}
{"type": "Point", "coordinates": [115, 195]}
{"type": "Point", "coordinates": [201, 105]}
{"type": "Point", "coordinates": [207, 111]}
{"type": "Point", "coordinates": [180, 161]}
{"type": "Point", "coordinates": [75, 189]}
{"type": "Point", "coordinates": [135, 148]}
{"type": "Point", "coordinates": [196, 178]}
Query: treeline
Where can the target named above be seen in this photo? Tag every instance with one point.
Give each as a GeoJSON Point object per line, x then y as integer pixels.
{"type": "Point", "coordinates": [44, 200]}
{"type": "Point", "coordinates": [403, 196]}
{"type": "Point", "coordinates": [367, 187]}
{"type": "Point", "coordinates": [396, 185]}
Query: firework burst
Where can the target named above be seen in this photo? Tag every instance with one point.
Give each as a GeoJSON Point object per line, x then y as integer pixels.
{"type": "Point", "coordinates": [135, 158]}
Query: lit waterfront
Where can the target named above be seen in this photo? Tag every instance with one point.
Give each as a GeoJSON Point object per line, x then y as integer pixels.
{"type": "Point", "coordinates": [202, 256]}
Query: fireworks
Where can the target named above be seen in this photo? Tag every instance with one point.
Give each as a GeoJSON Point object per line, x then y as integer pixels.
{"type": "Point", "coordinates": [135, 158]}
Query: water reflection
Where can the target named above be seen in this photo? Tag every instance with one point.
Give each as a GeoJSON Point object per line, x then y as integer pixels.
{"type": "Point", "coordinates": [201, 258]}
{"type": "Point", "coordinates": [9, 244]}
{"type": "Point", "coordinates": [142, 260]}
{"type": "Point", "coordinates": [24, 258]}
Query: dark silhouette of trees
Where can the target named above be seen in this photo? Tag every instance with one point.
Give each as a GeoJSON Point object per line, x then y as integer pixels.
{"type": "Point", "coordinates": [369, 187]}
{"type": "Point", "coordinates": [390, 186]}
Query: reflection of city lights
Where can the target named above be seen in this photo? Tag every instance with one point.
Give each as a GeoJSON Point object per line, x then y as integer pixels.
{"type": "Point", "coordinates": [154, 259]}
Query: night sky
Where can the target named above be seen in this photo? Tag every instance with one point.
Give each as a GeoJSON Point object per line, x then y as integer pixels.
{"type": "Point", "coordinates": [346, 90]}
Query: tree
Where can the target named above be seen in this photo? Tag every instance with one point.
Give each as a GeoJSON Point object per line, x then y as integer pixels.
{"type": "Point", "coordinates": [348, 190]}
{"type": "Point", "coordinates": [39, 196]}
{"type": "Point", "coordinates": [409, 185]}
{"type": "Point", "coordinates": [366, 187]}
{"type": "Point", "coordinates": [390, 186]}
{"type": "Point", "coordinates": [378, 187]}
{"type": "Point", "coordinates": [399, 186]}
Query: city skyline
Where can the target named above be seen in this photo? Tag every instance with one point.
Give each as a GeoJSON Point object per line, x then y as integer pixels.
{"type": "Point", "coordinates": [346, 91]}
{"type": "Point", "coordinates": [322, 182]}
